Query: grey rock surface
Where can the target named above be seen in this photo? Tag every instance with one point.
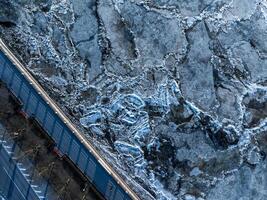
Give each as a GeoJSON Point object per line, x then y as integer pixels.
{"type": "Point", "coordinates": [172, 93]}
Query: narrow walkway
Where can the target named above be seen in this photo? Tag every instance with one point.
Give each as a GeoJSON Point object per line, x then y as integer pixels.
{"type": "Point", "coordinates": [34, 145]}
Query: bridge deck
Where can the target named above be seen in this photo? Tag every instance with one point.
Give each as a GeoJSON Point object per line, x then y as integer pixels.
{"type": "Point", "coordinates": [106, 180]}
{"type": "Point", "coordinates": [32, 144]}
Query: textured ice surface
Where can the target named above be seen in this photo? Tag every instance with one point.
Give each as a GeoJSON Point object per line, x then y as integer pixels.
{"type": "Point", "coordinates": [173, 93]}
{"type": "Point", "coordinates": [2, 198]}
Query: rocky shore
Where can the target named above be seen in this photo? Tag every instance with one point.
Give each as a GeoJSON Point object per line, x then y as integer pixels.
{"type": "Point", "coordinates": [173, 93]}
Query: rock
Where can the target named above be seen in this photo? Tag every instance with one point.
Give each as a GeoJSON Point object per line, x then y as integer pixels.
{"type": "Point", "coordinates": [195, 172]}
{"type": "Point", "coordinates": [171, 92]}
{"type": "Point", "coordinates": [197, 82]}
{"type": "Point", "coordinates": [237, 189]}
{"type": "Point", "coordinates": [187, 8]}
{"type": "Point", "coordinates": [133, 101]}
{"type": "Point", "coordinates": [226, 136]}
{"type": "Point", "coordinates": [120, 37]}
{"type": "Point", "coordinates": [141, 135]}
{"type": "Point", "coordinates": [161, 154]}
{"type": "Point", "coordinates": [180, 113]}
{"type": "Point", "coordinates": [153, 45]}
{"type": "Point", "coordinates": [229, 104]}
{"type": "Point", "coordinates": [2, 198]}
{"type": "Point", "coordinates": [89, 95]}
{"type": "Point", "coordinates": [127, 149]}
{"type": "Point", "coordinates": [96, 129]}
{"type": "Point", "coordinates": [84, 35]}
{"type": "Point", "coordinates": [9, 14]}
{"type": "Point", "coordinates": [128, 118]}
{"type": "Point", "coordinates": [245, 55]}
{"type": "Point", "coordinates": [244, 10]}
{"type": "Point", "coordinates": [244, 49]}
{"type": "Point", "coordinates": [254, 156]}
{"type": "Point", "coordinates": [189, 197]}
{"type": "Point", "coordinates": [44, 4]}
{"type": "Point", "coordinates": [91, 118]}
{"type": "Point", "coordinates": [255, 108]}
{"type": "Point", "coordinates": [40, 23]}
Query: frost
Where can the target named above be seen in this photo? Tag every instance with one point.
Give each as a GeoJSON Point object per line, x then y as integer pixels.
{"type": "Point", "coordinates": [128, 149]}
{"type": "Point", "coordinates": [91, 118]}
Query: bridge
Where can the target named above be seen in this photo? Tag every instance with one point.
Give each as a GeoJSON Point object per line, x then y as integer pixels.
{"type": "Point", "coordinates": [71, 142]}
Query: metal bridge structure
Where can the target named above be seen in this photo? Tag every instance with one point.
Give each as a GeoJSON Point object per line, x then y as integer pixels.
{"type": "Point", "coordinates": [71, 142]}
{"type": "Point", "coordinates": [15, 179]}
